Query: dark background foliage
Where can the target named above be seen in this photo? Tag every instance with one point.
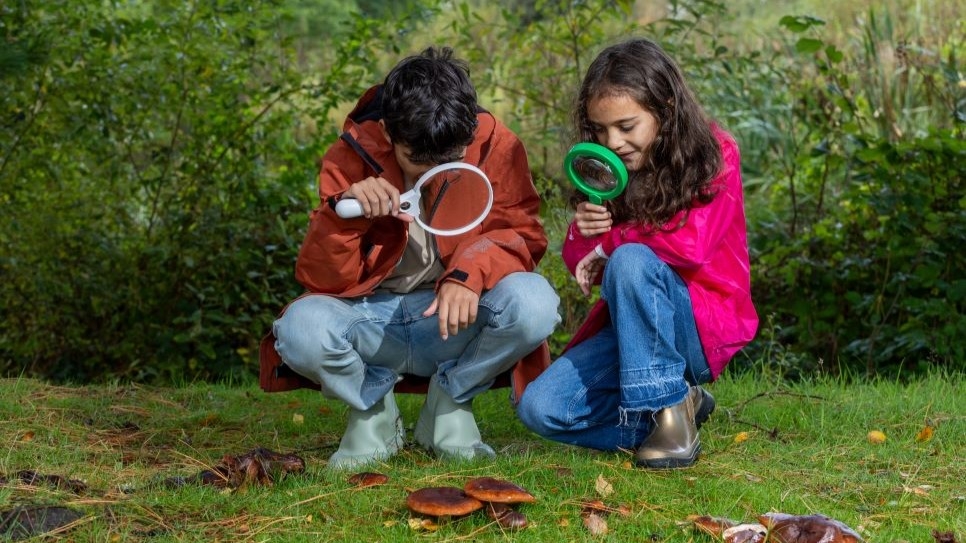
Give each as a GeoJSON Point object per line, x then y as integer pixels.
{"type": "Point", "coordinates": [158, 161]}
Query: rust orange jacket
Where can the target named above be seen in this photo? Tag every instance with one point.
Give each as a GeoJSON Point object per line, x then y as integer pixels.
{"type": "Point", "coordinates": [350, 257]}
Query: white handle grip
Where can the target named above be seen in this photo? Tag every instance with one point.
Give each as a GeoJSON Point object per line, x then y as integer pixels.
{"type": "Point", "coordinates": [348, 208]}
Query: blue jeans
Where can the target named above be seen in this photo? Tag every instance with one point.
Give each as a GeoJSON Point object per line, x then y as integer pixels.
{"type": "Point", "coordinates": [603, 391]}
{"type": "Point", "coordinates": [357, 348]}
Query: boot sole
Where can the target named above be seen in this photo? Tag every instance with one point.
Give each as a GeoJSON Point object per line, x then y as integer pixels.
{"type": "Point", "coordinates": [670, 462]}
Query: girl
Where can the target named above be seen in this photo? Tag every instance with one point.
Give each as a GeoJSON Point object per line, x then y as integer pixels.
{"type": "Point", "coordinates": [671, 258]}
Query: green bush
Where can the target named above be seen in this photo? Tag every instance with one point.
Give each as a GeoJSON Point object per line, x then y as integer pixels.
{"type": "Point", "coordinates": [158, 162]}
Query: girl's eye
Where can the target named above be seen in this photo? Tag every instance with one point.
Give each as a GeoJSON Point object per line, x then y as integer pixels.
{"type": "Point", "coordinates": [626, 129]}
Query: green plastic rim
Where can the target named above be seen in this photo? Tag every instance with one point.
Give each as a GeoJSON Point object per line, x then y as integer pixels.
{"type": "Point", "coordinates": [605, 156]}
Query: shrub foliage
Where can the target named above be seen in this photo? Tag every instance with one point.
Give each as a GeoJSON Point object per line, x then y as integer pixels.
{"type": "Point", "coordinates": [158, 160]}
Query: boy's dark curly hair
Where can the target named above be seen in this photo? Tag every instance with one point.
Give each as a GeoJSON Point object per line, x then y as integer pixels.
{"type": "Point", "coordinates": [684, 158]}
{"type": "Point", "coordinates": [429, 105]}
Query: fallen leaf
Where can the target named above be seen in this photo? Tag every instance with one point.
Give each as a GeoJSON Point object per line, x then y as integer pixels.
{"type": "Point", "coordinates": [876, 437]}
{"type": "Point", "coordinates": [367, 479]}
{"type": "Point", "coordinates": [925, 434]}
{"type": "Point", "coordinates": [921, 490]}
{"type": "Point", "coordinates": [298, 418]}
{"type": "Point", "coordinates": [27, 436]}
{"type": "Point", "coordinates": [943, 537]}
{"type": "Point", "coordinates": [595, 524]}
{"type": "Point", "coordinates": [603, 487]}
{"type": "Point", "coordinates": [741, 437]}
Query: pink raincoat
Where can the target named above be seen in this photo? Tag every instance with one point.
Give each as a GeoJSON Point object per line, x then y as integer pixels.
{"type": "Point", "coordinates": [710, 253]}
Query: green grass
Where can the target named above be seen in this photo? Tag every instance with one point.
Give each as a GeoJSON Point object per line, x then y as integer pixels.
{"type": "Point", "coordinates": [806, 452]}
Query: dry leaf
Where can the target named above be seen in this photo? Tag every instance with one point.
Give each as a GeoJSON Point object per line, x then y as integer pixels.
{"type": "Point", "coordinates": [741, 437]}
{"type": "Point", "coordinates": [367, 479]}
{"type": "Point", "coordinates": [298, 418]}
{"type": "Point", "coordinates": [921, 490]}
{"type": "Point", "coordinates": [925, 434]}
{"type": "Point", "coordinates": [876, 437]}
{"type": "Point", "coordinates": [422, 524]}
{"type": "Point", "coordinates": [595, 524]}
{"type": "Point", "coordinates": [27, 436]}
{"type": "Point", "coordinates": [603, 487]}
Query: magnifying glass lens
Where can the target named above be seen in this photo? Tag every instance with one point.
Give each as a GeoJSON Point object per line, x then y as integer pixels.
{"type": "Point", "coordinates": [595, 173]}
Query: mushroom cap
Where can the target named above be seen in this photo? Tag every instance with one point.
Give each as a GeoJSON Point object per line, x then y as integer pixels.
{"type": "Point", "coordinates": [442, 501]}
{"type": "Point", "coordinates": [809, 528]}
{"type": "Point", "coordinates": [488, 489]}
{"type": "Point", "coordinates": [505, 516]}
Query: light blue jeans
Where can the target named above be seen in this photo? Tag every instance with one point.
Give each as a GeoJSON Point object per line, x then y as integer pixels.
{"type": "Point", "coordinates": [358, 348]}
{"type": "Point", "coordinates": [602, 392]}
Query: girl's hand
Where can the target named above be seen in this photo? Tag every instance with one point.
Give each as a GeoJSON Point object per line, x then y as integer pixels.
{"type": "Point", "coordinates": [588, 269]}
{"type": "Point", "coordinates": [592, 219]}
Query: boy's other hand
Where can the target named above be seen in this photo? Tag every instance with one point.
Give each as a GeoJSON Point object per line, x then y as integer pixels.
{"type": "Point", "coordinates": [457, 306]}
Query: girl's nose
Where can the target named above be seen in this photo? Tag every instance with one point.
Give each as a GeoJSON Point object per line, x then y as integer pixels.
{"type": "Point", "coordinates": [612, 141]}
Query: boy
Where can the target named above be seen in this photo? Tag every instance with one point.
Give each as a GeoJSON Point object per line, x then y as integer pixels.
{"type": "Point", "coordinates": [390, 306]}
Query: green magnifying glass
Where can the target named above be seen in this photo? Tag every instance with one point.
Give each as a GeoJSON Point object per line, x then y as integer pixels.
{"type": "Point", "coordinates": [596, 171]}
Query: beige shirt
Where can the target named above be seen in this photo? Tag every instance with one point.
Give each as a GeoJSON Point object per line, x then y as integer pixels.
{"type": "Point", "coordinates": [419, 267]}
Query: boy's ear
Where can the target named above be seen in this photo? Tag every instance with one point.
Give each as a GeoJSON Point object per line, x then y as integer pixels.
{"type": "Point", "coordinates": [385, 133]}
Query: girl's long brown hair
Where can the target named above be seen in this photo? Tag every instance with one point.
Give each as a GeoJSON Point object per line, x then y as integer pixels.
{"type": "Point", "coordinates": [685, 157]}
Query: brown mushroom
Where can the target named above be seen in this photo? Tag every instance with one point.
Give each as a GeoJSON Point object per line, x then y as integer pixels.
{"type": "Point", "coordinates": [488, 489]}
{"type": "Point", "coordinates": [745, 533]}
{"type": "Point", "coordinates": [443, 501]}
{"type": "Point", "coordinates": [784, 528]}
{"type": "Point", "coordinates": [500, 498]}
{"type": "Point", "coordinates": [505, 516]}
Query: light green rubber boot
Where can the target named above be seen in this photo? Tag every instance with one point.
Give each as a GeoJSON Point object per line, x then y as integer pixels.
{"type": "Point", "coordinates": [370, 436]}
{"type": "Point", "coordinates": [448, 428]}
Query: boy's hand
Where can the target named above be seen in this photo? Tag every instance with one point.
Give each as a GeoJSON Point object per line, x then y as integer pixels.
{"type": "Point", "coordinates": [457, 307]}
{"type": "Point", "coordinates": [592, 219]}
{"type": "Point", "coordinates": [377, 197]}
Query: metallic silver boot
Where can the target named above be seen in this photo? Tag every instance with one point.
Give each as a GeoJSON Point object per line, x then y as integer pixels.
{"type": "Point", "coordinates": [674, 441]}
{"type": "Point", "coordinates": [448, 428]}
{"type": "Point", "coordinates": [371, 435]}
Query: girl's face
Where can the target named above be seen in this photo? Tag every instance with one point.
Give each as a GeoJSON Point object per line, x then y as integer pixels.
{"type": "Point", "coordinates": [623, 126]}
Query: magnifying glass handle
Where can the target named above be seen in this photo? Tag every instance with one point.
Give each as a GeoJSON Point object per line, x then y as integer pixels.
{"type": "Point", "coordinates": [595, 199]}
{"type": "Point", "coordinates": [348, 208]}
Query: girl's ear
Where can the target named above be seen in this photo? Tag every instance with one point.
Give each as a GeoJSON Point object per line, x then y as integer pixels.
{"type": "Point", "coordinates": [385, 133]}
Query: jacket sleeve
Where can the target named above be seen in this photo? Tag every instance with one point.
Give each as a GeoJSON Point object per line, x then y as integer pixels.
{"type": "Point", "coordinates": [694, 244]}
{"type": "Point", "coordinates": [576, 246]}
{"type": "Point", "coordinates": [332, 258]}
{"type": "Point", "coordinates": [511, 238]}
